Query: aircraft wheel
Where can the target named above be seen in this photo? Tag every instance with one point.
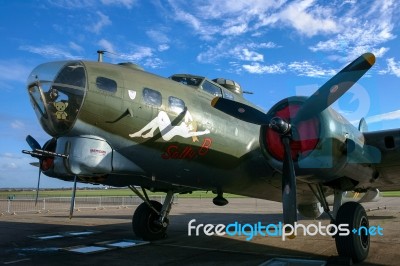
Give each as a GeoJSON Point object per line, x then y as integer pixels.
{"type": "Point", "coordinates": [144, 222]}
{"type": "Point", "coordinates": [355, 246]}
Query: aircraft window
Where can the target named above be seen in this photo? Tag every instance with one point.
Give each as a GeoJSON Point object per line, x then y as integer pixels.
{"type": "Point", "coordinates": [228, 95]}
{"type": "Point", "coordinates": [190, 81]}
{"type": "Point", "coordinates": [37, 99]}
{"type": "Point", "coordinates": [152, 97]}
{"type": "Point", "coordinates": [106, 84]}
{"type": "Point", "coordinates": [72, 74]}
{"type": "Point", "coordinates": [176, 105]}
{"type": "Point", "coordinates": [57, 103]}
{"type": "Point", "coordinates": [211, 88]}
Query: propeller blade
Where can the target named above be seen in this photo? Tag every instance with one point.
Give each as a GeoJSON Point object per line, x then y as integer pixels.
{"type": "Point", "coordinates": [240, 111]}
{"type": "Point", "coordinates": [334, 88]}
{"type": "Point", "coordinates": [38, 187]}
{"type": "Point", "coordinates": [71, 209]}
{"type": "Point", "coordinates": [33, 143]}
{"type": "Point", "coordinates": [289, 201]}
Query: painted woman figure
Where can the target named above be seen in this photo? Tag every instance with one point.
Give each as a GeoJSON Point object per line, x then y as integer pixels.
{"type": "Point", "coordinates": [188, 128]}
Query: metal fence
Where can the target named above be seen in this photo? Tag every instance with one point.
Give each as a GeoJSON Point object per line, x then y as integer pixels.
{"type": "Point", "coordinates": [14, 206]}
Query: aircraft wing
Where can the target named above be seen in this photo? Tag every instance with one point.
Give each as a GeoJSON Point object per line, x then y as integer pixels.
{"type": "Point", "coordinates": [387, 142]}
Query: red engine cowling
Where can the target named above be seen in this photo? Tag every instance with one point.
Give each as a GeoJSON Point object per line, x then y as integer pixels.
{"type": "Point", "coordinates": [319, 146]}
{"type": "Point", "coordinates": [308, 132]}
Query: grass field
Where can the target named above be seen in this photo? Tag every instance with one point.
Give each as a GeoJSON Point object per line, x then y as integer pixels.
{"type": "Point", "coordinates": [100, 193]}
{"type": "Point", "coordinates": [123, 192]}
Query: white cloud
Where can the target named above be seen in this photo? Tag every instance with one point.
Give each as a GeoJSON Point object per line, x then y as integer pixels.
{"type": "Point", "coordinates": [70, 4]}
{"type": "Point", "coordinates": [307, 17]}
{"type": "Point", "coordinates": [77, 4]}
{"type": "Point", "coordinates": [246, 55]}
{"type": "Point", "coordinates": [138, 54]}
{"type": "Point", "coordinates": [141, 55]}
{"type": "Point", "coordinates": [241, 10]}
{"type": "Point", "coordinates": [102, 22]}
{"type": "Point", "coordinates": [106, 45]}
{"type": "Point", "coordinates": [384, 117]}
{"type": "Point", "coordinates": [10, 161]}
{"type": "Point", "coordinates": [126, 3]}
{"type": "Point", "coordinates": [163, 47]}
{"type": "Point", "coordinates": [257, 68]}
{"type": "Point", "coordinates": [243, 52]}
{"type": "Point", "coordinates": [158, 36]}
{"type": "Point", "coordinates": [265, 45]}
{"type": "Point", "coordinates": [202, 28]}
{"type": "Point", "coordinates": [75, 47]}
{"type": "Point", "coordinates": [298, 68]}
{"type": "Point", "coordinates": [226, 18]}
{"type": "Point", "coordinates": [17, 124]}
{"type": "Point", "coordinates": [347, 29]}
{"type": "Point", "coordinates": [153, 62]}
{"type": "Point", "coordinates": [13, 71]}
{"type": "Point", "coordinates": [49, 51]}
{"type": "Point", "coordinates": [235, 30]}
{"type": "Point", "coordinates": [361, 31]}
{"type": "Point", "coordinates": [8, 166]}
{"type": "Point", "coordinates": [393, 68]}
{"type": "Point", "coordinates": [307, 69]}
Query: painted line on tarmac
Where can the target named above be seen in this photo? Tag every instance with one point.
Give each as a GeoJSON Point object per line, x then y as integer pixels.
{"type": "Point", "coordinates": [15, 261]}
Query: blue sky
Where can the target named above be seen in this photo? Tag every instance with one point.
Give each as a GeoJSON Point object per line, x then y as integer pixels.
{"type": "Point", "coordinates": [275, 49]}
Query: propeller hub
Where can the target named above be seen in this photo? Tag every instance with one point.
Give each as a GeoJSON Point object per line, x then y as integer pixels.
{"type": "Point", "coordinates": [280, 126]}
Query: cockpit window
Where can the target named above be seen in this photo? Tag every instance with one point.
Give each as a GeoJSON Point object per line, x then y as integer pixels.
{"type": "Point", "coordinates": [106, 84]}
{"type": "Point", "coordinates": [228, 95]}
{"type": "Point", "coordinates": [211, 88]}
{"type": "Point", "coordinates": [152, 97]}
{"type": "Point", "coordinates": [190, 81]}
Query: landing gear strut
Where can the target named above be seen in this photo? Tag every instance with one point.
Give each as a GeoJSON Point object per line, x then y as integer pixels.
{"type": "Point", "coordinates": [356, 244]}
{"type": "Point", "coordinates": [150, 220]}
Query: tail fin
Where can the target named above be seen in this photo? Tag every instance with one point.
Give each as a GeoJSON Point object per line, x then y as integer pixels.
{"type": "Point", "coordinates": [362, 126]}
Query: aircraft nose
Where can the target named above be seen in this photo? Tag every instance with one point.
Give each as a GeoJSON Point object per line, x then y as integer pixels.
{"type": "Point", "coordinates": [56, 92]}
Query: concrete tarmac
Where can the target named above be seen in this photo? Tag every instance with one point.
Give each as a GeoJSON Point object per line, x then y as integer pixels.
{"type": "Point", "coordinates": [48, 238]}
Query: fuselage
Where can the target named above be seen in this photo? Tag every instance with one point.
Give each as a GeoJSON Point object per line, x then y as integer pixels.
{"type": "Point", "coordinates": [167, 129]}
{"type": "Point", "coordinates": [123, 126]}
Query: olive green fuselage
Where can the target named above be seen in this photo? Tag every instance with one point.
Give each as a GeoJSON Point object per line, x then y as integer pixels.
{"type": "Point", "coordinates": [167, 136]}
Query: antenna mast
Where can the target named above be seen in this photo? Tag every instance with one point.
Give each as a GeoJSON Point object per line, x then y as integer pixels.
{"type": "Point", "coordinates": [100, 54]}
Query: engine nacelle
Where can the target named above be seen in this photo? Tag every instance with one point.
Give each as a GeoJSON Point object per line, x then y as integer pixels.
{"type": "Point", "coordinates": [324, 147]}
{"type": "Point", "coordinates": [87, 156]}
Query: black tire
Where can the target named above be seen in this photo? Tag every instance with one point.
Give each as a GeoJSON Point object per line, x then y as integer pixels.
{"type": "Point", "coordinates": [144, 222]}
{"type": "Point", "coordinates": [353, 246]}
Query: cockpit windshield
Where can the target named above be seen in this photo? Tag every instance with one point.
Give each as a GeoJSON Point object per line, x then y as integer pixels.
{"type": "Point", "coordinates": [56, 92]}
{"type": "Point", "coordinates": [188, 80]}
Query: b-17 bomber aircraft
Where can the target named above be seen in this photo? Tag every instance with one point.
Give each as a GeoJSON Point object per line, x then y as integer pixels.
{"type": "Point", "coordinates": [117, 125]}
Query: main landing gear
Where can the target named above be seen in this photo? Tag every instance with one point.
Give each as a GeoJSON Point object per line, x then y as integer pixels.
{"type": "Point", "coordinates": [150, 220]}
{"type": "Point", "coordinates": [354, 245]}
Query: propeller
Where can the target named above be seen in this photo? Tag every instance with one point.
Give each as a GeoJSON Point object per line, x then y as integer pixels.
{"type": "Point", "coordinates": [325, 96]}
{"type": "Point", "coordinates": [35, 146]}
{"type": "Point", "coordinates": [33, 143]}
